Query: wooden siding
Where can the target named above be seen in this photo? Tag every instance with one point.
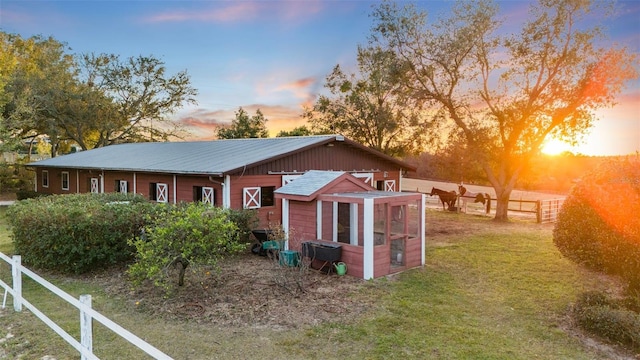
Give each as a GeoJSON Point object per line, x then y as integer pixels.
{"type": "Point", "coordinates": [339, 157]}
{"type": "Point", "coordinates": [185, 185]}
{"type": "Point", "coordinates": [381, 260]}
{"type": "Point", "coordinates": [303, 215]}
{"type": "Point", "coordinates": [268, 215]}
{"type": "Point", "coordinates": [413, 253]}
{"type": "Point", "coordinates": [353, 257]}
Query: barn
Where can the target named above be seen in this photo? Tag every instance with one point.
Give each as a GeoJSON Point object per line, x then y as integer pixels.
{"type": "Point", "coordinates": [332, 216]}
{"type": "Point", "coordinates": [237, 173]}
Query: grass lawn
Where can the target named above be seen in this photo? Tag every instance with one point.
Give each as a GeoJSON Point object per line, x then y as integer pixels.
{"type": "Point", "coordinates": [488, 291]}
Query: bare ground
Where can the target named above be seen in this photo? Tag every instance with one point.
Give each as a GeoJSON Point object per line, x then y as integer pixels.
{"type": "Point", "coordinates": [251, 291]}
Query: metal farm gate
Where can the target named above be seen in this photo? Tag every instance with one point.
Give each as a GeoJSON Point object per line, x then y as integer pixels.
{"type": "Point", "coordinates": [547, 210]}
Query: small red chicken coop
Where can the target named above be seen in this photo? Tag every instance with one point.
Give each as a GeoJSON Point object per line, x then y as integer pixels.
{"type": "Point", "coordinates": [377, 232]}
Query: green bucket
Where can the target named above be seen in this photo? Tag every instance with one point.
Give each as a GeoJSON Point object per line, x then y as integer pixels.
{"type": "Point", "coordinates": [289, 258]}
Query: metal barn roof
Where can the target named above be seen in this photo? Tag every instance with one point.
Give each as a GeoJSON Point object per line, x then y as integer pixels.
{"type": "Point", "coordinates": [203, 157]}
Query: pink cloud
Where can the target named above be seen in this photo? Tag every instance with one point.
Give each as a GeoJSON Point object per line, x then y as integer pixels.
{"type": "Point", "coordinates": [303, 89]}
{"type": "Point", "coordinates": [202, 123]}
{"type": "Point", "coordinates": [235, 11]}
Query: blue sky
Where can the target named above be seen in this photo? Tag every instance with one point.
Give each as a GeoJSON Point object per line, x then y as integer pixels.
{"type": "Point", "coordinates": [271, 55]}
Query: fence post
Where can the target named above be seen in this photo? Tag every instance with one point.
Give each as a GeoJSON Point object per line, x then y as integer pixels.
{"type": "Point", "coordinates": [539, 211]}
{"type": "Point", "coordinates": [16, 273]}
{"type": "Point", "coordinates": [86, 327]}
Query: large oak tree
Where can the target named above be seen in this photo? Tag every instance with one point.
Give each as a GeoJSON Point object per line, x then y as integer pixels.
{"type": "Point", "coordinates": [371, 106]}
{"type": "Point", "coordinates": [507, 93]}
{"type": "Point", "coordinates": [91, 100]}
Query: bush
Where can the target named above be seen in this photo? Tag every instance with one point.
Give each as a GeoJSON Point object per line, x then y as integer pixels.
{"type": "Point", "coordinates": [77, 233]}
{"type": "Point", "coordinates": [246, 220]}
{"type": "Point", "coordinates": [597, 314]}
{"type": "Point", "coordinates": [192, 235]}
{"type": "Point", "coordinates": [599, 226]}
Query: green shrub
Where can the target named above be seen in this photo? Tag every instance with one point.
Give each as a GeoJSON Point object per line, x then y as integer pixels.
{"type": "Point", "coordinates": [246, 220]}
{"type": "Point", "coordinates": [599, 226]}
{"type": "Point", "coordinates": [27, 194]}
{"type": "Point", "coordinates": [77, 233]}
{"type": "Point", "coordinates": [191, 235]}
{"type": "Point", "coordinates": [597, 314]}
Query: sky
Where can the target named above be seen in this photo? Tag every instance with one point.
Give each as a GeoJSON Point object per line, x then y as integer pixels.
{"type": "Point", "coordinates": [272, 55]}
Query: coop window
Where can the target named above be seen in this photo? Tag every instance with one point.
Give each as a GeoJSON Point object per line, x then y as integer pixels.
{"type": "Point", "coordinates": [65, 180]}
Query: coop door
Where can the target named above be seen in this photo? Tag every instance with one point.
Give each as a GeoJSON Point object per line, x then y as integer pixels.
{"type": "Point", "coordinates": [95, 185]}
{"type": "Point", "coordinates": [162, 193]}
{"type": "Point", "coordinates": [397, 253]}
{"type": "Point", "coordinates": [207, 195]}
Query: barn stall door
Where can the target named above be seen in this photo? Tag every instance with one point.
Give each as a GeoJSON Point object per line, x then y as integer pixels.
{"type": "Point", "coordinates": [123, 186]}
{"type": "Point", "coordinates": [95, 185]}
{"type": "Point", "coordinates": [251, 197]}
{"type": "Point", "coordinates": [207, 195]}
{"type": "Point", "coordinates": [162, 191]}
{"type": "Point", "coordinates": [389, 185]}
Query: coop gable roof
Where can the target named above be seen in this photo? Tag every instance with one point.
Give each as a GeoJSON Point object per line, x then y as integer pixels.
{"type": "Point", "coordinates": [217, 157]}
{"type": "Point", "coordinates": [315, 182]}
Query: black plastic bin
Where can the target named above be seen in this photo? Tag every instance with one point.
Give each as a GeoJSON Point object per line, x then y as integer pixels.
{"type": "Point", "coordinates": [328, 253]}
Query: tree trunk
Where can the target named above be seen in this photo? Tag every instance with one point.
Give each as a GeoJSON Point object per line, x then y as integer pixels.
{"type": "Point", "coordinates": [182, 263]}
{"type": "Point", "coordinates": [502, 201]}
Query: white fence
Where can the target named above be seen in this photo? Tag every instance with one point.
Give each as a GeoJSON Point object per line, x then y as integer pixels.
{"type": "Point", "coordinates": [87, 314]}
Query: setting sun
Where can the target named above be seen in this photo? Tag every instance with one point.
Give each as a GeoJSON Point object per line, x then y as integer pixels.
{"type": "Point", "coordinates": [555, 147]}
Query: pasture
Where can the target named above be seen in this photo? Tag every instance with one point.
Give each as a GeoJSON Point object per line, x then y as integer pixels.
{"type": "Point", "coordinates": [424, 186]}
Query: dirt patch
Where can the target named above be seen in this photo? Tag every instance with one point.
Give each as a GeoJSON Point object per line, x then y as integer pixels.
{"type": "Point", "coordinates": [255, 291]}
{"type": "Point", "coordinates": [251, 291]}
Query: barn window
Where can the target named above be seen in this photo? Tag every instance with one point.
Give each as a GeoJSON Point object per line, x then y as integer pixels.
{"type": "Point", "coordinates": [65, 180]}
{"type": "Point", "coordinates": [204, 194]}
{"type": "Point", "coordinates": [158, 192]}
{"type": "Point", "coordinates": [45, 178]}
{"type": "Point", "coordinates": [257, 197]}
{"type": "Point", "coordinates": [267, 197]}
{"type": "Point", "coordinates": [121, 186]}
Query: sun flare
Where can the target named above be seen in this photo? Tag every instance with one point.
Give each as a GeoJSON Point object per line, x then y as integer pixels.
{"type": "Point", "coordinates": [555, 147]}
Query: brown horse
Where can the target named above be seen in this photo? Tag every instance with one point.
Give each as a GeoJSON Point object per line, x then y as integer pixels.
{"type": "Point", "coordinates": [446, 197]}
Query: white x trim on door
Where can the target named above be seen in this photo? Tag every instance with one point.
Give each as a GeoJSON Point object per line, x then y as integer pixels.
{"type": "Point", "coordinates": [251, 197]}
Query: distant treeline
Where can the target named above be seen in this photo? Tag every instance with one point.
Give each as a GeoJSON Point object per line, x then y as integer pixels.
{"type": "Point", "coordinates": [547, 173]}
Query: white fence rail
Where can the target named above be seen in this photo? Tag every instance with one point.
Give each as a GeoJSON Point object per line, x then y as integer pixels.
{"type": "Point", "coordinates": [87, 314]}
